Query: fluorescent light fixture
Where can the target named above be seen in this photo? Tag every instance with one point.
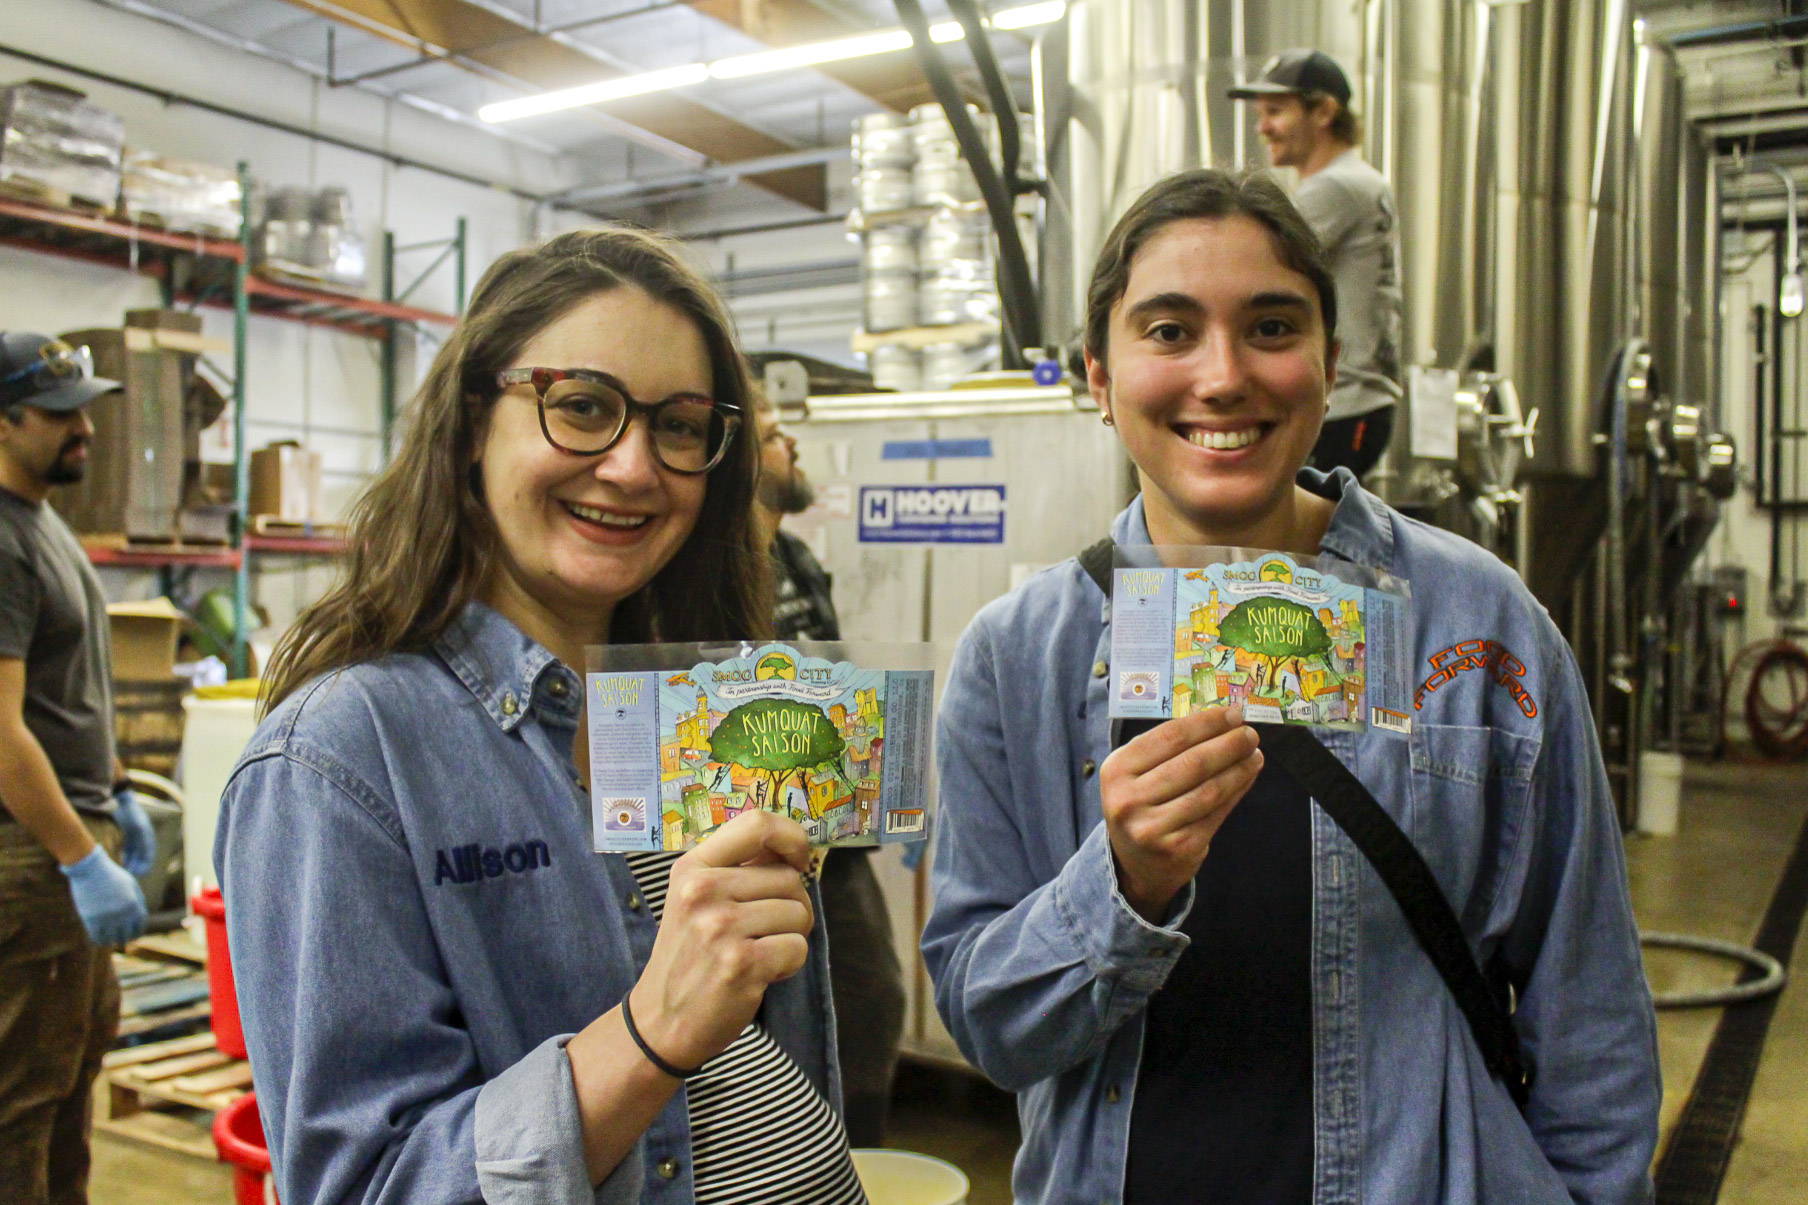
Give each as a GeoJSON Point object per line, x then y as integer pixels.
{"type": "Point", "coordinates": [761, 62]}
{"type": "Point", "coordinates": [787, 57]}
{"type": "Point", "coordinates": [592, 94]}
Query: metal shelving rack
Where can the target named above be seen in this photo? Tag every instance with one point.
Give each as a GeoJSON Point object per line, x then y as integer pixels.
{"type": "Point", "coordinates": [197, 270]}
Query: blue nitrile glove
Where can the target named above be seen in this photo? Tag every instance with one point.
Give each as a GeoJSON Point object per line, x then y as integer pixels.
{"type": "Point", "coordinates": [107, 898]}
{"type": "Point", "coordinates": [140, 839]}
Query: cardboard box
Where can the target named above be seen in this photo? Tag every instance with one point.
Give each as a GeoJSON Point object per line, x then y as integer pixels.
{"type": "Point", "coordinates": [285, 482]}
{"type": "Point", "coordinates": [147, 724]}
{"type": "Point", "coordinates": [134, 482]}
{"type": "Point", "coordinates": [143, 637]}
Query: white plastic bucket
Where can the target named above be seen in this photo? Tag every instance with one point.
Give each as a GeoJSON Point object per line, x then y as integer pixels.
{"type": "Point", "coordinates": [214, 733]}
{"type": "Point", "coordinates": [907, 1178]}
{"type": "Point", "coordinates": [1659, 792]}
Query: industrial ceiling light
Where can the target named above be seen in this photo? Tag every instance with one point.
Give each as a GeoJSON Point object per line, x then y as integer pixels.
{"type": "Point", "coordinates": [762, 62]}
{"type": "Point", "coordinates": [596, 94]}
{"type": "Point", "coordinates": [786, 58]}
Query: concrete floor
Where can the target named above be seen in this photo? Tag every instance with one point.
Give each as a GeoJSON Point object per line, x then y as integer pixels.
{"type": "Point", "coordinates": [1714, 879]}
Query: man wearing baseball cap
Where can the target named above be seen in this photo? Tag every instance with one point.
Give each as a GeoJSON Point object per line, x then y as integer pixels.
{"type": "Point", "coordinates": [1302, 102]}
{"type": "Point", "coordinates": [65, 814]}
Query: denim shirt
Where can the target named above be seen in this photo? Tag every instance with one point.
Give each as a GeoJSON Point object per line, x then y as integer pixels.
{"type": "Point", "coordinates": [1042, 970]}
{"type": "Point", "coordinates": [418, 926]}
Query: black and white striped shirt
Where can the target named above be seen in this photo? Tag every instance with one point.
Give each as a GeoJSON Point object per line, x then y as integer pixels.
{"type": "Point", "coordinates": [760, 1131]}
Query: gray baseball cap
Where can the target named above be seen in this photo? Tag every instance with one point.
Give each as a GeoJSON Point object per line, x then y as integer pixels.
{"type": "Point", "coordinates": [1294, 72]}
{"type": "Point", "coordinates": [48, 373]}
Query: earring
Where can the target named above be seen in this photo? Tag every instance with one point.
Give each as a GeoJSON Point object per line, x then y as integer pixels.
{"type": "Point", "coordinates": [1108, 420]}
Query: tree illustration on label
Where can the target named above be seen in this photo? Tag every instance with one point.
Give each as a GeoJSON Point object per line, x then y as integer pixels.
{"type": "Point", "coordinates": [1275, 630]}
{"type": "Point", "coordinates": [781, 737]}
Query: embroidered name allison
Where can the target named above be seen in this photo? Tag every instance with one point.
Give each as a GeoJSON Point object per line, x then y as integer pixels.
{"type": "Point", "coordinates": [471, 863]}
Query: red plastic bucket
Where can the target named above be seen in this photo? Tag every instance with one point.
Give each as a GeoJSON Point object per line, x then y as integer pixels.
{"type": "Point", "coordinates": [227, 1031]}
{"type": "Point", "coordinates": [238, 1133]}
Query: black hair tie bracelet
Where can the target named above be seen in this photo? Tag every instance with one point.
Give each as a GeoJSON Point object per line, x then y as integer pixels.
{"type": "Point", "coordinates": [627, 1016]}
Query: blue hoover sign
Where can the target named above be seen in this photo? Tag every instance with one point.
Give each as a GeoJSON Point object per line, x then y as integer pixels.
{"type": "Point", "coordinates": [932, 514]}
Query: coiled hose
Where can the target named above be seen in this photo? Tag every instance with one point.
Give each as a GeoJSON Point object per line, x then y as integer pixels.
{"type": "Point", "coordinates": [1776, 698]}
{"type": "Point", "coordinates": [1773, 979]}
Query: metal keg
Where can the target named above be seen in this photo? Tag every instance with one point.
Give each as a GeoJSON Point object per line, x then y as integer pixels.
{"type": "Point", "coordinates": [941, 176]}
{"type": "Point", "coordinates": [321, 245]}
{"type": "Point", "coordinates": [332, 207]}
{"type": "Point", "coordinates": [890, 300]}
{"type": "Point", "coordinates": [289, 204]}
{"type": "Point", "coordinates": [895, 367]}
{"type": "Point", "coordinates": [884, 189]}
{"type": "Point", "coordinates": [957, 234]}
{"type": "Point", "coordinates": [280, 239]}
{"type": "Point", "coordinates": [942, 300]}
{"type": "Point", "coordinates": [883, 140]}
{"type": "Point", "coordinates": [946, 363]}
{"type": "Point", "coordinates": [888, 249]}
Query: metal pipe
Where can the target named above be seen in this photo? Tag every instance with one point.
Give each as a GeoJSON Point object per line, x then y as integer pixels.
{"type": "Point", "coordinates": [723, 173]}
{"type": "Point", "coordinates": [241, 466]}
{"type": "Point", "coordinates": [249, 46]}
{"type": "Point", "coordinates": [432, 55]}
{"type": "Point", "coordinates": [1004, 107]}
{"type": "Point", "coordinates": [722, 232]}
{"type": "Point", "coordinates": [1742, 31]}
{"type": "Point", "coordinates": [1023, 321]}
{"type": "Point", "coordinates": [386, 355]}
{"type": "Point", "coordinates": [461, 237]}
{"type": "Point", "coordinates": [1789, 283]}
{"type": "Point", "coordinates": [177, 98]}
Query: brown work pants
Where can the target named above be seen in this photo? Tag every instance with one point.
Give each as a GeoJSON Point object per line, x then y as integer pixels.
{"type": "Point", "coordinates": [59, 1012]}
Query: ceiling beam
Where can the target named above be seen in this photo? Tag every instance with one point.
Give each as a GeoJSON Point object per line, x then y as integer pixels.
{"type": "Point", "coordinates": [489, 44]}
{"type": "Point", "coordinates": [892, 81]}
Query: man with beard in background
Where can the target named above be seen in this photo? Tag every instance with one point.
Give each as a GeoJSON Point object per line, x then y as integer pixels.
{"type": "Point", "coordinates": [864, 973]}
{"type": "Point", "coordinates": [1303, 115]}
{"type": "Point", "coordinates": [65, 811]}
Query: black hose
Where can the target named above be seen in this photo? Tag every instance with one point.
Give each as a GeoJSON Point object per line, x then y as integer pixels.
{"type": "Point", "coordinates": [1004, 106]}
{"type": "Point", "coordinates": [1023, 324]}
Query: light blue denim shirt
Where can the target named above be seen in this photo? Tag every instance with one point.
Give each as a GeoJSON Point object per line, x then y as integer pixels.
{"type": "Point", "coordinates": [418, 926]}
{"type": "Point", "coordinates": [1042, 971]}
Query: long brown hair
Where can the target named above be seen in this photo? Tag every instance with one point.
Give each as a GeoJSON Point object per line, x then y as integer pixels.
{"type": "Point", "coordinates": [421, 541]}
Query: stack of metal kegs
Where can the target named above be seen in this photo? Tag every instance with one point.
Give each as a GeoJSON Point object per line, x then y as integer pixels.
{"type": "Point", "coordinates": [309, 235]}
{"type": "Point", "coordinates": [926, 252]}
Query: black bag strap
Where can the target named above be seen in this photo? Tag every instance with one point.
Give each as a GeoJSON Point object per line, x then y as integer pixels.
{"type": "Point", "coordinates": [1304, 758]}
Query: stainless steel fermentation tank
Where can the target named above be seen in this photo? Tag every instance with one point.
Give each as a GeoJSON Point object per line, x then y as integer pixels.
{"type": "Point", "coordinates": [1505, 132]}
{"type": "Point", "coordinates": [1556, 230]}
{"type": "Point", "coordinates": [1557, 219]}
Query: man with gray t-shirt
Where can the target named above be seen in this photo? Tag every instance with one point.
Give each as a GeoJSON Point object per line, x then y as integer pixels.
{"type": "Point", "coordinates": [1303, 112]}
{"type": "Point", "coordinates": [65, 814]}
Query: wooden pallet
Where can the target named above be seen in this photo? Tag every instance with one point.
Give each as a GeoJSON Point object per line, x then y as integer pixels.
{"type": "Point", "coordinates": [166, 1093]}
{"type": "Point", "coordinates": [270, 525]}
{"type": "Point", "coordinates": [23, 188]}
{"type": "Point", "coordinates": [153, 220]}
{"type": "Point", "coordinates": [118, 542]}
{"type": "Point", "coordinates": [301, 276]}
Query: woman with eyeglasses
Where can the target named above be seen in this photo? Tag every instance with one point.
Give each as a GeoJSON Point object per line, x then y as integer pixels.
{"type": "Point", "coordinates": [446, 995]}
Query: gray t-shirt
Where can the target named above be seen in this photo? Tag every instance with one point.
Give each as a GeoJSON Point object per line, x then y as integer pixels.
{"type": "Point", "coordinates": [53, 617]}
{"type": "Point", "coordinates": [1350, 207]}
